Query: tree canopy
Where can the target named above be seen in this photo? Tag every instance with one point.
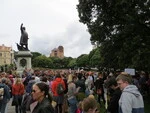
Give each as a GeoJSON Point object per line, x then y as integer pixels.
{"type": "Point", "coordinates": [122, 30]}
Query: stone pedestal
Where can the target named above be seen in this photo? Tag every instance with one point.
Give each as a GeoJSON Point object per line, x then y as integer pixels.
{"type": "Point", "coordinates": [23, 61]}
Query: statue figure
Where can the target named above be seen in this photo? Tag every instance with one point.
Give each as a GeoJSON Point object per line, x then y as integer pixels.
{"type": "Point", "coordinates": [23, 39]}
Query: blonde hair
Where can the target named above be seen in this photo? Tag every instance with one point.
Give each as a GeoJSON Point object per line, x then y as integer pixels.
{"type": "Point", "coordinates": [18, 80]}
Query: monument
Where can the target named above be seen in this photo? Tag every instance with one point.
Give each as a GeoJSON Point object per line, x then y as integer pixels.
{"type": "Point", "coordinates": [23, 56]}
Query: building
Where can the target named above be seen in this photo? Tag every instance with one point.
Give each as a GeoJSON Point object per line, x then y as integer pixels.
{"type": "Point", "coordinates": [6, 55]}
{"type": "Point", "coordinates": [57, 52]}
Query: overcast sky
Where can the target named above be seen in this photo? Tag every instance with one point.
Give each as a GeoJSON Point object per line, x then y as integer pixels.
{"type": "Point", "coordinates": [49, 23]}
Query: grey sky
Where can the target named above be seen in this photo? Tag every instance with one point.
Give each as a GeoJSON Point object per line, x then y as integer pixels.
{"type": "Point", "coordinates": [49, 23]}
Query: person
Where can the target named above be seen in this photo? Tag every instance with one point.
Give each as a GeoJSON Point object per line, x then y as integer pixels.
{"type": "Point", "coordinates": [80, 83]}
{"type": "Point", "coordinates": [24, 37]}
{"type": "Point", "coordinates": [113, 105]}
{"type": "Point", "coordinates": [131, 101]}
{"type": "Point", "coordinates": [79, 107]}
{"type": "Point", "coordinates": [6, 96]}
{"type": "Point", "coordinates": [58, 98]}
{"type": "Point", "coordinates": [89, 105]}
{"type": "Point", "coordinates": [40, 93]}
{"type": "Point", "coordinates": [99, 86]}
{"type": "Point", "coordinates": [72, 91]}
{"type": "Point", "coordinates": [88, 84]}
{"type": "Point", "coordinates": [17, 92]}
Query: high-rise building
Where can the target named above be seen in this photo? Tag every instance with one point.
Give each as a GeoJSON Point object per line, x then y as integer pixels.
{"type": "Point", "coordinates": [57, 52]}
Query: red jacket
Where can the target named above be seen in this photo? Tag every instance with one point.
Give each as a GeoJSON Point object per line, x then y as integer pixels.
{"type": "Point", "coordinates": [54, 85]}
{"type": "Point", "coordinates": [18, 89]}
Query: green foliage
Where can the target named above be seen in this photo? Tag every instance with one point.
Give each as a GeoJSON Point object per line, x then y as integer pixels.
{"type": "Point", "coordinates": [43, 61]}
{"type": "Point", "coordinates": [122, 30]}
{"type": "Point", "coordinates": [72, 63]}
{"type": "Point", "coordinates": [83, 60]}
{"type": "Point", "coordinates": [94, 58]}
{"type": "Point", "coordinates": [35, 54]}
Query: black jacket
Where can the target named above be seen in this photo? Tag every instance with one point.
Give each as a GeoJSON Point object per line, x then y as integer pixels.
{"type": "Point", "coordinates": [113, 106]}
{"type": "Point", "coordinates": [44, 107]}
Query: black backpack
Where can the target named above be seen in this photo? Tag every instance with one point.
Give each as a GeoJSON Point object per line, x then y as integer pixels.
{"type": "Point", "coordinates": [60, 89]}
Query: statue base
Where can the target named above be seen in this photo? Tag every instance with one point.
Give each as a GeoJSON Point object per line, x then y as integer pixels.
{"type": "Point", "coordinates": [23, 61]}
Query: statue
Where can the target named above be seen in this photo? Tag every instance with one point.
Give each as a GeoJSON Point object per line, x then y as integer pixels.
{"type": "Point", "coordinates": [23, 39]}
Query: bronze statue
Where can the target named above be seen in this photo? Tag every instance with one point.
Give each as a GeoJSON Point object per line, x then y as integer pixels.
{"type": "Point", "coordinates": [23, 39]}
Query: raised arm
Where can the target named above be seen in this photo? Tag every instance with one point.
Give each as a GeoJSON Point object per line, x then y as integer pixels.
{"type": "Point", "coordinates": [21, 28]}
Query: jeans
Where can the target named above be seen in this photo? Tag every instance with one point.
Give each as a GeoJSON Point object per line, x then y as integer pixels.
{"type": "Point", "coordinates": [2, 106]}
{"type": "Point", "coordinates": [72, 105]}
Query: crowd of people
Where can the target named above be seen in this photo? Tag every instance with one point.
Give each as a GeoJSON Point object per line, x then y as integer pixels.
{"type": "Point", "coordinates": [73, 91]}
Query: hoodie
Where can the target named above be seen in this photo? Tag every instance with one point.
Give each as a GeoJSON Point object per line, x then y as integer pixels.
{"type": "Point", "coordinates": [131, 100]}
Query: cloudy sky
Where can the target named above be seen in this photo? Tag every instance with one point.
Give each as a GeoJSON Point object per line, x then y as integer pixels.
{"type": "Point", "coordinates": [49, 23]}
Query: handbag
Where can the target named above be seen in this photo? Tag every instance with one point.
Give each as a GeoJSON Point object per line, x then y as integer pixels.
{"type": "Point", "coordinates": [99, 91]}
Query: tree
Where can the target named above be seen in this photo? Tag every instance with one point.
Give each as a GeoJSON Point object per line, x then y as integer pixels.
{"type": "Point", "coordinates": [95, 58]}
{"type": "Point", "coordinates": [72, 63]}
{"type": "Point", "coordinates": [43, 61]}
{"type": "Point", "coordinates": [65, 61]}
{"type": "Point", "coordinates": [82, 60]}
{"type": "Point", "coordinates": [122, 30]}
{"type": "Point", "coordinates": [34, 55]}
{"type": "Point", "coordinates": [57, 62]}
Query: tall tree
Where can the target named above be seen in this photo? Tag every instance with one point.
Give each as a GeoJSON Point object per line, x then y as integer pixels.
{"type": "Point", "coordinates": [82, 60]}
{"type": "Point", "coordinates": [121, 28]}
{"type": "Point", "coordinates": [43, 61]}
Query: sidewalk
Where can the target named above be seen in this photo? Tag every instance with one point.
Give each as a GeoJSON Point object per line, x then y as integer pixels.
{"type": "Point", "coordinates": [10, 109]}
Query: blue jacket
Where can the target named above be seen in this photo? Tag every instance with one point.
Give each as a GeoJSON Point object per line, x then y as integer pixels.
{"type": "Point", "coordinates": [6, 96]}
{"type": "Point", "coordinates": [131, 101]}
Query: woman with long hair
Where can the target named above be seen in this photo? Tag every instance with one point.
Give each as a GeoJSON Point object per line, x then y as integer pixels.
{"type": "Point", "coordinates": [40, 93]}
{"type": "Point", "coordinates": [17, 92]}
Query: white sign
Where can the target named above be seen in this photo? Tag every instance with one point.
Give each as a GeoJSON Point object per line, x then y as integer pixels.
{"type": "Point", "coordinates": [130, 71]}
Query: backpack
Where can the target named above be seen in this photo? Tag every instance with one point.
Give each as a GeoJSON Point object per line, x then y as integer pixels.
{"type": "Point", "coordinates": [1, 93]}
{"type": "Point", "coordinates": [60, 89]}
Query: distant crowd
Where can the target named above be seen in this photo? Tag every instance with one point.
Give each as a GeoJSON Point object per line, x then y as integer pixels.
{"type": "Point", "coordinates": [73, 91]}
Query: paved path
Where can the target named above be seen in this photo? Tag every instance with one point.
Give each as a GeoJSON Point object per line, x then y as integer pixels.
{"type": "Point", "coordinates": [10, 109]}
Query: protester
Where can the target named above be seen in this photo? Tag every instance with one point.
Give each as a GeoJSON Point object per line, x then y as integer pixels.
{"type": "Point", "coordinates": [80, 83]}
{"type": "Point", "coordinates": [4, 99]}
{"type": "Point", "coordinates": [131, 100]}
{"type": "Point", "coordinates": [89, 105]}
{"type": "Point", "coordinates": [72, 91]}
{"type": "Point", "coordinates": [99, 86]}
{"type": "Point", "coordinates": [17, 92]}
{"type": "Point", "coordinates": [58, 98]}
{"type": "Point", "coordinates": [113, 105]}
{"type": "Point", "coordinates": [40, 93]}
